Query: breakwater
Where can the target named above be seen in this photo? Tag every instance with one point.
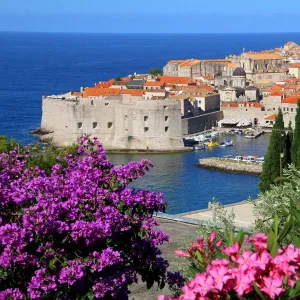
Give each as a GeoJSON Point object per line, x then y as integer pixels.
{"type": "Point", "coordinates": [219, 164]}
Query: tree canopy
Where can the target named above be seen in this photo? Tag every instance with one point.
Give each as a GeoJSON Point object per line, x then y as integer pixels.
{"type": "Point", "coordinates": [295, 151]}
{"type": "Point", "coordinates": [155, 72]}
{"type": "Point", "coordinates": [271, 167]}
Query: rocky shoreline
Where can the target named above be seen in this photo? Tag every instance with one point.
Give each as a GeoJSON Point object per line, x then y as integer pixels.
{"type": "Point", "coordinates": [228, 166]}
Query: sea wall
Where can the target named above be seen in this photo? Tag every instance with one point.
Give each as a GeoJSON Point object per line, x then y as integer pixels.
{"type": "Point", "coordinates": [201, 123]}
{"type": "Point", "coordinates": [230, 166]}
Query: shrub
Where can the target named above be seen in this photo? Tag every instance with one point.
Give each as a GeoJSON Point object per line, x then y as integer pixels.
{"type": "Point", "coordinates": [80, 232]}
{"type": "Point", "coordinates": [255, 270]}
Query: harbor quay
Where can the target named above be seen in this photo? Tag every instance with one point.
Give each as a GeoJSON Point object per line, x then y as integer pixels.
{"type": "Point", "coordinates": [232, 165]}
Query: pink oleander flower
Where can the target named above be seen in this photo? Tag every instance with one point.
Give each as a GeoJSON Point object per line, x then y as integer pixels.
{"type": "Point", "coordinates": [212, 236]}
{"type": "Point", "coordinates": [233, 250]}
{"type": "Point", "coordinates": [181, 253]}
{"type": "Point", "coordinates": [272, 287]}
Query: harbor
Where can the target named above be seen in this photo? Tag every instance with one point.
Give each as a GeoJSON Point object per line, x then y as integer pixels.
{"type": "Point", "coordinates": [187, 187]}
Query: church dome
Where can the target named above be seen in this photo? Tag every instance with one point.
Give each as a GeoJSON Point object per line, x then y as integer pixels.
{"type": "Point", "coordinates": [239, 72]}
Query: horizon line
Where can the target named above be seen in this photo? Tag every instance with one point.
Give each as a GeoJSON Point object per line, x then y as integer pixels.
{"type": "Point", "coordinates": [86, 32]}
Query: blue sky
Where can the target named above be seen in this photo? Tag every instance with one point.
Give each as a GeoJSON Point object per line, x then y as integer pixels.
{"type": "Point", "coordinates": [154, 16]}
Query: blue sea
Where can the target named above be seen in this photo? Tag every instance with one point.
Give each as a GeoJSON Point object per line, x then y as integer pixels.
{"type": "Point", "coordinates": [36, 64]}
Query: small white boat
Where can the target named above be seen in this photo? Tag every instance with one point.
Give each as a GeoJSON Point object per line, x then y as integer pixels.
{"type": "Point", "coordinates": [226, 143]}
{"type": "Point", "coordinates": [199, 147]}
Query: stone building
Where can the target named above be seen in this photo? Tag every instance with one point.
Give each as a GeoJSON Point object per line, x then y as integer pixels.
{"type": "Point", "coordinates": [120, 122]}
{"type": "Point", "coordinates": [263, 67]}
{"type": "Point", "coordinates": [239, 78]}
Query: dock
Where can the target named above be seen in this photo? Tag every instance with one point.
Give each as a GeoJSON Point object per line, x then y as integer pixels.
{"type": "Point", "coordinates": [230, 166]}
{"type": "Point", "coordinates": [254, 134]}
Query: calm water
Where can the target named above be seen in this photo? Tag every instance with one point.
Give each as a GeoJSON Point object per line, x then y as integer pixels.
{"type": "Point", "coordinates": [36, 64]}
{"type": "Point", "coordinates": [187, 187]}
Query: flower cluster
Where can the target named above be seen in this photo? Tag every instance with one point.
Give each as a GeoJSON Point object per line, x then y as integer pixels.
{"type": "Point", "coordinates": [78, 232]}
{"type": "Point", "coordinates": [246, 273]}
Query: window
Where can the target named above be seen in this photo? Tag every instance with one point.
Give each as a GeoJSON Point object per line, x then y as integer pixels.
{"type": "Point", "coordinates": [165, 107]}
{"type": "Point", "coordinates": [284, 109]}
{"type": "Point", "coordinates": [145, 118]}
{"type": "Point", "coordinates": [273, 108]}
{"type": "Point", "coordinates": [287, 109]}
{"type": "Point", "coordinates": [292, 109]}
{"type": "Point", "coordinates": [92, 102]}
{"type": "Point", "coordinates": [79, 125]}
{"type": "Point", "coordinates": [166, 129]}
{"type": "Point", "coordinates": [166, 118]}
{"type": "Point", "coordinates": [95, 124]}
{"type": "Point", "coordinates": [109, 124]}
{"type": "Point", "coordinates": [146, 129]}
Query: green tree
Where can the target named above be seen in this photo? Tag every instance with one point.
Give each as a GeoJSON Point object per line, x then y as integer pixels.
{"type": "Point", "coordinates": [118, 78]}
{"type": "Point", "coordinates": [295, 153]}
{"type": "Point", "coordinates": [271, 167]}
{"type": "Point", "coordinates": [155, 72]}
{"type": "Point", "coordinates": [288, 144]}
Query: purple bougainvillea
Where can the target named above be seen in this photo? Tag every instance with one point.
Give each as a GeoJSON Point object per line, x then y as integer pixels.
{"type": "Point", "coordinates": [80, 233]}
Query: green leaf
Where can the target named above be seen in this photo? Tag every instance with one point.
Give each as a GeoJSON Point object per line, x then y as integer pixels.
{"type": "Point", "coordinates": [199, 257]}
{"type": "Point", "coordinates": [286, 229]}
{"type": "Point", "coordinates": [240, 237]}
{"type": "Point", "coordinates": [258, 291]}
{"type": "Point", "coordinates": [90, 295]}
{"type": "Point", "coordinates": [272, 244]}
{"type": "Point", "coordinates": [296, 241]}
{"type": "Point", "coordinates": [295, 291]}
{"type": "Point", "coordinates": [52, 263]}
{"type": "Point", "coordinates": [275, 226]}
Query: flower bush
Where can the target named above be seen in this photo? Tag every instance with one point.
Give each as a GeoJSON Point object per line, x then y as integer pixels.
{"type": "Point", "coordinates": [252, 272]}
{"type": "Point", "coordinates": [80, 232]}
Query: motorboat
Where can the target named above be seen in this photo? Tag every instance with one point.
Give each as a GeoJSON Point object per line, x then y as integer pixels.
{"type": "Point", "coordinates": [189, 142]}
{"type": "Point", "coordinates": [199, 147]}
{"type": "Point", "coordinates": [226, 143]}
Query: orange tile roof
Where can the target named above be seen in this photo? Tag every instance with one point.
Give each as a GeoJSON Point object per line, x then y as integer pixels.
{"type": "Point", "coordinates": [208, 77]}
{"type": "Point", "coordinates": [263, 56]}
{"type": "Point", "coordinates": [154, 83]}
{"type": "Point", "coordinates": [206, 87]}
{"type": "Point", "coordinates": [103, 84]}
{"type": "Point", "coordinates": [271, 117]}
{"type": "Point", "coordinates": [297, 65]}
{"type": "Point", "coordinates": [217, 60]}
{"type": "Point", "coordinates": [291, 100]}
{"type": "Point", "coordinates": [175, 80]}
{"type": "Point", "coordinates": [155, 91]}
{"type": "Point", "coordinates": [132, 92]}
{"type": "Point", "coordinates": [188, 63]}
{"type": "Point", "coordinates": [76, 93]}
{"type": "Point", "coordinates": [233, 104]}
{"type": "Point", "coordinates": [177, 61]}
{"type": "Point", "coordinates": [276, 93]}
{"type": "Point", "coordinates": [98, 92]}
{"type": "Point", "coordinates": [231, 65]}
{"type": "Point", "coordinates": [289, 43]}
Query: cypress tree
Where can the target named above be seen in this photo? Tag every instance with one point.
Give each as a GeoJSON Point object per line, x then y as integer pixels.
{"type": "Point", "coordinates": [288, 144]}
{"type": "Point", "coordinates": [271, 166]}
{"type": "Point", "coordinates": [296, 140]}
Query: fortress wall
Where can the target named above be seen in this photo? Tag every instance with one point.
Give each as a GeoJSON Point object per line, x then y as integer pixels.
{"type": "Point", "coordinates": [119, 122]}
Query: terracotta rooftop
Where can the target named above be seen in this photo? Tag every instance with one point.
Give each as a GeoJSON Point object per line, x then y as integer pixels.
{"type": "Point", "coordinates": [188, 63]}
{"type": "Point", "coordinates": [263, 56]}
{"type": "Point", "coordinates": [154, 83]}
{"type": "Point", "coordinates": [177, 61]}
{"type": "Point", "coordinates": [291, 100]}
{"type": "Point", "coordinates": [176, 80]}
{"type": "Point", "coordinates": [296, 65]}
{"type": "Point", "coordinates": [271, 117]}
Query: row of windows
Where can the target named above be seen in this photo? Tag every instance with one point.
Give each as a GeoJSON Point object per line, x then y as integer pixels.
{"type": "Point", "coordinates": [95, 125]}
{"type": "Point", "coordinates": [285, 109]}
{"type": "Point", "coordinates": [147, 129]}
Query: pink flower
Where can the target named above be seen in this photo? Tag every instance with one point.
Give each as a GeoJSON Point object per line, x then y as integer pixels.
{"type": "Point", "coordinates": [272, 287]}
{"type": "Point", "coordinates": [232, 250]}
{"type": "Point", "coordinates": [220, 275]}
{"type": "Point", "coordinates": [203, 284]}
{"type": "Point", "coordinates": [243, 283]}
{"type": "Point", "coordinates": [260, 241]}
{"type": "Point", "coordinates": [219, 243]}
{"type": "Point", "coordinates": [182, 253]}
{"type": "Point", "coordinates": [212, 236]}
{"type": "Point", "coordinates": [200, 244]}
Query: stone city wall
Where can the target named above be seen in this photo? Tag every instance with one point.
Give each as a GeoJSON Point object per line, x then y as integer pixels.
{"type": "Point", "coordinates": [122, 122]}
